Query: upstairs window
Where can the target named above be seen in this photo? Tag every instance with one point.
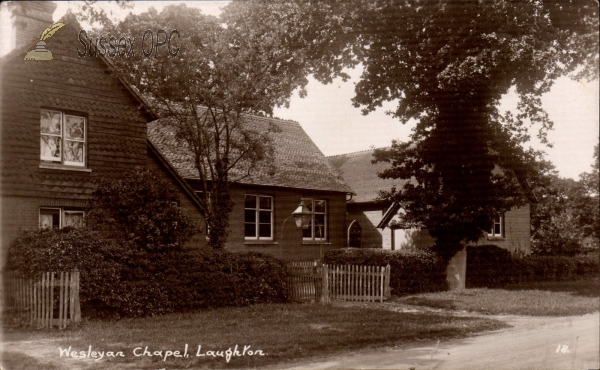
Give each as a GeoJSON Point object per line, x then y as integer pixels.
{"type": "Point", "coordinates": [62, 138]}
{"type": "Point", "coordinates": [258, 217]}
{"type": "Point", "coordinates": [57, 218]}
{"type": "Point", "coordinates": [497, 227]}
{"type": "Point", "coordinates": [317, 230]}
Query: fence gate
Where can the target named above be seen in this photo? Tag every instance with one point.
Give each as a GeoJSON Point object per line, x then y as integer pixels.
{"type": "Point", "coordinates": [358, 283]}
{"type": "Point", "coordinates": [51, 299]}
{"type": "Point", "coordinates": [315, 282]}
{"type": "Point", "coordinates": [304, 281]}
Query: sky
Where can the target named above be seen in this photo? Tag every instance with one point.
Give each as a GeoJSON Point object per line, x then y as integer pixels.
{"type": "Point", "coordinates": [336, 127]}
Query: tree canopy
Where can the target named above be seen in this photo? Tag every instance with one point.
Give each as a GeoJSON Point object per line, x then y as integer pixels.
{"type": "Point", "coordinates": [448, 64]}
{"type": "Point", "coordinates": [224, 68]}
{"type": "Point", "coordinates": [566, 218]}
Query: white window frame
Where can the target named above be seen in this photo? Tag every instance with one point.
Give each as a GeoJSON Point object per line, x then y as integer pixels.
{"type": "Point", "coordinates": [62, 212]}
{"type": "Point", "coordinates": [257, 222]}
{"type": "Point", "coordinates": [63, 139]}
{"type": "Point", "coordinates": [310, 202]}
{"type": "Point", "coordinates": [498, 220]}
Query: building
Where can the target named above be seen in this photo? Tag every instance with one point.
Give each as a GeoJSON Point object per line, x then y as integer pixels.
{"type": "Point", "coordinates": [69, 121]}
{"type": "Point", "coordinates": [374, 217]}
{"type": "Point", "coordinates": [65, 123]}
{"type": "Point", "coordinates": [265, 200]}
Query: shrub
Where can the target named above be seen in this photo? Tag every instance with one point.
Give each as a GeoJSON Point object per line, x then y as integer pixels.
{"type": "Point", "coordinates": [487, 266]}
{"type": "Point", "coordinates": [553, 268]}
{"type": "Point", "coordinates": [588, 265]}
{"type": "Point", "coordinates": [491, 266]}
{"type": "Point", "coordinates": [40, 251]}
{"type": "Point", "coordinates": [413, 271]}
{"type": "Point", "coordinates": [139, 207]}
{"type": "Point", "coordinates": [259, 278]}
{"type": "Point", "coordinates": [124, 280]}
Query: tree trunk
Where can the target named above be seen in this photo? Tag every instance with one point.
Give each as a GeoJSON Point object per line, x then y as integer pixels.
{"type": "Point", "coordinates": [456, 271]}
{"type": "Point", "coordinates": [221, 205]}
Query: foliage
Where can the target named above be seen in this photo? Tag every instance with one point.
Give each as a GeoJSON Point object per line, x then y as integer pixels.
{"type": "Point", "coordinates": [490, 266]}
{"type": "Point", "coordinates": [411, 271]}
{"type": "Point", "coordinates": [180, 281]}
{"type": "Point", "coordinates": [224, 69]}
{"type": "Point", "coordinates": [554, 268]}
{"type": "Point", "coordinates": [591, 182]}
{"type": "Point", "coordinates": [141, 208]}
{"type": "Point", "coordinates": [449, 64]}
{"type": "Point", "coordinates": [97, 16]}
{"type": "Point", "coordinates": [563, 220]}
{"type": "Point", "coordinates": [125, 281]}
{"type": "Point", "coordinates": [67, 249]}
{"type": "Point", "coordinates": [487, 266]}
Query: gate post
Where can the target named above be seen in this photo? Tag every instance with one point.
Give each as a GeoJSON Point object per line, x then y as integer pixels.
{"type": "Point", "coordinates": [325, 285]}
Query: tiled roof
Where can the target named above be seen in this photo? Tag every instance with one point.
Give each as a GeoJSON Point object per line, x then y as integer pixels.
{"type": "Point", "coordinates": [361, 174]}
{"type": "Point", "coordinates": [297, 163]}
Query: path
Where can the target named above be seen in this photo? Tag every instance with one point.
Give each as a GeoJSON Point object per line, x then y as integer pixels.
{"type": "Point", "coordinates": [531, 343]}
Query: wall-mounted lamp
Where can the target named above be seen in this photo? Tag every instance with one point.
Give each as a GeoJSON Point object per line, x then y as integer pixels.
{"type": "Point", "coordinates": [302, 215]}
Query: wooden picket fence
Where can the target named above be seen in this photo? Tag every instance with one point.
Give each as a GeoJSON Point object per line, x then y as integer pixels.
{"type": "Point", "coordinates": [358, 283]}
{"type": "Point", "coordinates": [51, 299]}
{"type": "Point", "coordinates": [315, 282]}
{"type": "Point", "coordinates": [304, 281]}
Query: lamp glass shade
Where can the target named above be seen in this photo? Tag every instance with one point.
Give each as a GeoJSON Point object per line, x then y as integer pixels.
{"type": "Point", "coordinates": [302, 216]}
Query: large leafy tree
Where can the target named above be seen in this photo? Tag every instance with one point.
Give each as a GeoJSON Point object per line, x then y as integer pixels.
{"type": "Point", "coordinates": [563, 219]}
{"type": "Point", "coordinates": [566, 218]}
{"type": "Point", "coordinates": [224, 69]}
{"type": "Point", "coordinates": [448, 64]}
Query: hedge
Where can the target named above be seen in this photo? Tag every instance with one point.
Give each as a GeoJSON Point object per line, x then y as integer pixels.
{"type": "Point", "coordinates": [122, 280]}
{"type": "Point", "coordinates": [491, 266]}
{"type": "Point", "coordinates": [411, 271]}
{"type": "Point", "coordinates": [488, 266]}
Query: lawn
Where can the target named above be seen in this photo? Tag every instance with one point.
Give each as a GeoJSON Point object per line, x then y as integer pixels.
{"type": "Point", "coordinates": [534, 299]}
{"type": "Point", "coordinates": [263, 334]}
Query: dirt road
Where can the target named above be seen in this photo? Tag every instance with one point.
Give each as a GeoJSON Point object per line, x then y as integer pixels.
{"type": "Point", "coordinates": [532, 343]}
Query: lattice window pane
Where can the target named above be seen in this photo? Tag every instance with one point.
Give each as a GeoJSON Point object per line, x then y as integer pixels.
{"type": "Point", "coordinates": [73, 219]}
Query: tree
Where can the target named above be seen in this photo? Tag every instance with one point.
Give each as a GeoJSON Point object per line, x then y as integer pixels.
{"type": "Point", "coordinates": [223, 69]}
{"type": "Point", "coordinates": [139, 208]}
{"type": "Point", "coordinates": [562, 220]}
{"type": "Point", "coordinates": [449, 63]}
{"type": "Point", "coordinates": [591, 184]}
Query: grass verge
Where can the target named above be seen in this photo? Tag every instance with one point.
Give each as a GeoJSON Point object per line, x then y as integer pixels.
{"type": "Point", "coordinates": [20, 361]}
{"type": "Point", "coordinates": [282, 332]}
{"type": "Point", "coordinates": [567, 298]}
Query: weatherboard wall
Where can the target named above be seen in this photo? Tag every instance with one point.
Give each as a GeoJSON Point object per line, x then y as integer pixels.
{"type": "Point", "coordinates": [116, 130]}
{"type": "Point", "coordinates": [287, 242]}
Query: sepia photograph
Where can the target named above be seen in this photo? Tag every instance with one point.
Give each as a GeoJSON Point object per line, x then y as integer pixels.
{"type": "Point", "coordinates": [299, 184]}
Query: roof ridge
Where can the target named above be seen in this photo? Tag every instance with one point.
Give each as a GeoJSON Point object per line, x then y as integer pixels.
{"type": "Point", "coordinates": [357, 152]}
{"type": "Point", "coordinates": [245, 114]}
{"type": "Point", "coordinates": [271, 118]}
